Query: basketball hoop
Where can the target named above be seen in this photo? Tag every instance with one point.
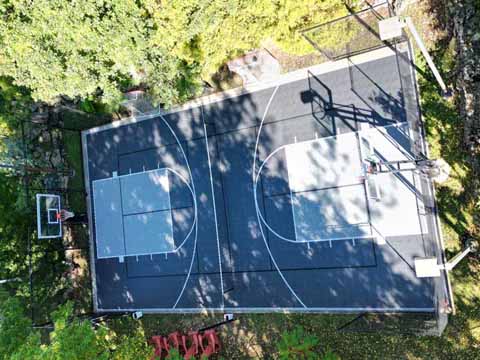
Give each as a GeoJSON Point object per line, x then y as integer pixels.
{"type": "Point", "coordinates": [372, 164]}
{"type": "Point", "coordinates": [438, 170]}
{"type": "Point", "coordinates": [49, 223]}
{"type": "Point", "coordinates": [65, 215]}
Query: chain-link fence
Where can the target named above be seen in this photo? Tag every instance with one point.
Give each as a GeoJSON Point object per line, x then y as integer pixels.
{"type": "Point", "coordinates": [350, 35]}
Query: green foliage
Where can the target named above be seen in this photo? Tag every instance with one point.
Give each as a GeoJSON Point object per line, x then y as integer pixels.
{"type": "Point", "coordinates": [14, 107]}
{"type": "Point", "coordinates": [209, 33]}
{"type": "Point", "coordinates": [70, 339]}
{"type": "Point", "coordinates": [95, 49]}
{"type": "Point", "coordinates": [132, 346]}
{"type": "Point", "coordinates": [15, 327]}
{"type": "Point", "coordinates": [13, 232]}
{"type": "Point", "coordinates": [174, 355]}
{"type": "Point", "coordinates": [31, 349]}
{"type": "Point", "coordinates": [82, 48]}
{"type": "Point", "coordinates": [296, 344]}
{"type": "Point", "coordinates": [74, 339]}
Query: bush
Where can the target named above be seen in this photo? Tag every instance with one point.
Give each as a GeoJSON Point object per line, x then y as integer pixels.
{"type": "Point", "coordinates": [96, 49]}
{"type": "Point", "coordinates": [297, 345]}
{"type": "Point", "coordinates": [15, 328]}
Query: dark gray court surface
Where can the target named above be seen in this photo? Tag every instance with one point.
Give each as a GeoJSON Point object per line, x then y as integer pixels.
{"type": "Point", "coordinates": [260, 202]}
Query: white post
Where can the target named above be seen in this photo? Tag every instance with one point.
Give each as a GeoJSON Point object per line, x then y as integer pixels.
{"type": "Point", "coordinates": [4, 281]}
{"type": "Point", "coordinates": [409, 23]}
{"type": "Point", "coordinates": [457, 258]}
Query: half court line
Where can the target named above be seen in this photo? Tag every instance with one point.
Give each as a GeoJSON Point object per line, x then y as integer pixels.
{"type": "Point", "coordinates": [214, 211]}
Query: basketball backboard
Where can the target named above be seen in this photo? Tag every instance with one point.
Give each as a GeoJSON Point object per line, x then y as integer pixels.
{"type": "Point", "coordinates": [49, 224]}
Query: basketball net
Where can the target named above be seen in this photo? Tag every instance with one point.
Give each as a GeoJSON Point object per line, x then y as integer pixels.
{"type": "Point", "coordinates": [65, 215]}
{"type": "Point", "coordinates": [438, 170]}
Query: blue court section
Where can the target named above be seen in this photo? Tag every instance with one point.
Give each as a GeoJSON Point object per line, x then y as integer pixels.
{"type": "Point", "coordinates": [264, 206]}
{"type": "Point", "coordinates": [108, 218]}
{"type": "Point", "coordinates": [133, 214]}
{"type": "Point", "coordinates": [334, 213]}
{"type": "Point", "coordinates": [145, 192]}
{"type": "Point", "coordinates": [149, 233]}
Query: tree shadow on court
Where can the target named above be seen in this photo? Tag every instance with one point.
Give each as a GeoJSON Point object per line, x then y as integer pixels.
{"type": "Point", "coordinates": [250, 277]}
{"type": "Point", "coordinates": [233, 125]}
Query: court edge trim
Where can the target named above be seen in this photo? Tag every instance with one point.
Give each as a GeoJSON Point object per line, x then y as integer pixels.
{"type": "Point", "coordinates": [88, 199]}
{"type": "Point", "coordinates": [437, 222]}
{"type": "Point", "coordinates": [345, 310]}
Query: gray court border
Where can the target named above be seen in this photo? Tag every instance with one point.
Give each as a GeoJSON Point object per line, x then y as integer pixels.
{"type": "Point", "coordinates": [437, 223]}
{"type": "Point", "coordinates": [264, 310]}
{"type": "Point", "coordinates": [282, 80]}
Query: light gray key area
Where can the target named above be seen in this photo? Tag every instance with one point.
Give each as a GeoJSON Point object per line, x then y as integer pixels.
{"type": "Point", "coordinates": [108, 218]}
{"type": "Point", "coordinates": [133, 215]}
{"type": "Point", "coordinates": [145, 192]}
{"type": "Point", "coordinates": [323, 163]}
{"type": "Point", "coordinates": [149, 233]}
{"type": "Point", "coordinates": [334, 213]}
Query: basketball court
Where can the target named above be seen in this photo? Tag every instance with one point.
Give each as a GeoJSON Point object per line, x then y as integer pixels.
{"type": "Point", "coordinates": [260, 200]}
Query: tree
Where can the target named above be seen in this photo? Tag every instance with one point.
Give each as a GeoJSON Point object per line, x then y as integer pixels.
{"type": "Point", "coordinates": [214, 31]}
{"type": "Point", "coordinates": [15, 327]}
{"type": "Point", "coordinates": [95, 49]}
{"type": "Point", "coordinates": [82, 49]}
{"type": "Point", "coordinates": [71, 338]}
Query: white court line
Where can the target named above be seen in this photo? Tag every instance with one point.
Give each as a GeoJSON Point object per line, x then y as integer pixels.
{"type": "Point", "coordinates": [256, 201]}
{"type": "Point", "coordinates": [145, 172]}
{"type": "Point", "coordinates": [291, 198]}
{"type": "Point", "coordinates": [195, 209]}
{"type": "Point", "coordinates": [214, 212]}
{"type": "Point", "coordinates": [171, 213]}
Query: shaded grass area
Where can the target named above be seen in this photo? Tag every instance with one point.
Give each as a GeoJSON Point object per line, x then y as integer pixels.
{"type": "Point", "coordinates": [255, 336]}
{"type": "Point", "coordinates": [76, 237]}
{"type": "Point", "coordinates": [63, 267]}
